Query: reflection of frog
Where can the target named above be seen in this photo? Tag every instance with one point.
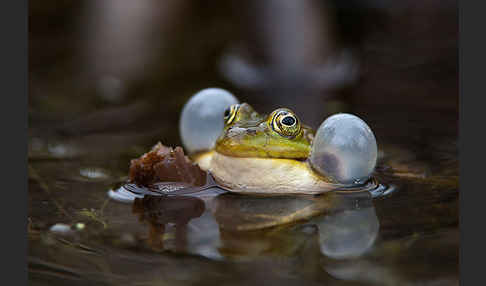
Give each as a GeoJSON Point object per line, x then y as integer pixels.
{"type": "Point", "coordinates": [350, 228]}
{"type": "Point", "coordinates": [259, 153]}
{"type": "Point", "coordinates": [346, 225]}
{"type": "Point", "coordinates": [248, 213]}
{"type": "Point", "coordinates": [231, 225]}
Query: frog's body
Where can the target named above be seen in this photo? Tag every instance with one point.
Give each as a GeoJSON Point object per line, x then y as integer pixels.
{"type": "Point", "coordinates": [268, 175]}
{"type": "Point", "coordinates": [264, 154]}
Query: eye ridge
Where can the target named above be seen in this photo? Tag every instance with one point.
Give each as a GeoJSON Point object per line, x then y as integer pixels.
{"type": "Point", "coordinates": [230, 113]}
{"type": "Point", "coordinates": [285, 123]}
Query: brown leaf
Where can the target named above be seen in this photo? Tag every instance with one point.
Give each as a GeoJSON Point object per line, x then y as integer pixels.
{"type": "Point", "coordinates": [164, 164]}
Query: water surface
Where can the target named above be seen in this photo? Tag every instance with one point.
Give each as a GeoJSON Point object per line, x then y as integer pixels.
{"type": "Point", "coordinates": [85, 127]}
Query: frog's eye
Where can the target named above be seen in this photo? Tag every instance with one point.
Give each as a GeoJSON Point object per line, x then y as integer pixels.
{"type": "Point", "coordinates": [230, 113]}
{"type": "Point", "coordinates": [285, 122]}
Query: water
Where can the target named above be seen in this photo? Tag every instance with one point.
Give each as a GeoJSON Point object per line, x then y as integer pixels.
{"type": "Point", "coordinates": [408, 236]}
{"type": "Point", "coordinates": [81, 144]}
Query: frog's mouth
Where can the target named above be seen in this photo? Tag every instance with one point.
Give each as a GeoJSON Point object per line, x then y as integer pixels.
{"type": "Point", "coordinates": [261, 152]}
{"type": "Point", "coordinates": [245, 143]}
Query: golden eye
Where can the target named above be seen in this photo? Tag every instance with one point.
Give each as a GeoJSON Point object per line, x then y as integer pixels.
{"type": "Point", "coordinates": [230, 113]}
{"type": "Point", "coordinates": [285, 122]}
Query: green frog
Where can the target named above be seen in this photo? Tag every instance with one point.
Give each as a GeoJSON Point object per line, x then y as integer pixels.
{"type": "Point", "coordinates": [259, 153]}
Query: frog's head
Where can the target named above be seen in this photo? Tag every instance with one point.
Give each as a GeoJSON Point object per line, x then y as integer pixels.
{"type": "Point", "coordinates": [247, 133]}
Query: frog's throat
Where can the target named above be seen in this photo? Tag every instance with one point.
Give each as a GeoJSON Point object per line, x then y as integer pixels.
{"type": "Point", "coordinates": [264, 175]}
{"type": "Point", "coordinates": [203, 159]}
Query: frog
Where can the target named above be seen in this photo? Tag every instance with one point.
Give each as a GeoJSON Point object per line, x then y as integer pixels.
{"type": "Point", "coordinates": [259, 153]}
{"type": "Point", "coordinates": [249, 152]}
{"type": "Point", "coordinates": [233, 147]}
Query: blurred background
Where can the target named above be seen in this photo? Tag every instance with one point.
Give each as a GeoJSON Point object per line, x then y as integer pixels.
{"type": "Point", "coordinates": [108, 79]}
{"type": "Point", "coordinates": [129, 66]}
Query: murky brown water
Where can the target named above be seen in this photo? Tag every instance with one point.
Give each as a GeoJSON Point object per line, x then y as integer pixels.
{"type": "Point", "coordinates": [410, 236]}
{"type": "Point", "coordinates": [81, 142]}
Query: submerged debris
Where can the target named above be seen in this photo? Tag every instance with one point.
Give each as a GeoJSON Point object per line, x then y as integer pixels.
{"type": "Point", "coordinates": [93, 214]}
{"type": "Point", "coordinates": [79, 226]}
{"type": "Point", "coordinates": [61, 228]}
{"type": "Point", "coordinates": [93, 173]}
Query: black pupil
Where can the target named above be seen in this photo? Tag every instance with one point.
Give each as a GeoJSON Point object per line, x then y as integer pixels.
{"type": "Point", "coordinates": [288, 120]}
{"type": "Point", "coordinates": [226, 112]}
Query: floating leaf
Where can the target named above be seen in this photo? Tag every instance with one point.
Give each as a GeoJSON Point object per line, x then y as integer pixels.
{"type": "Point", "coordinates": [165, 164]}
{"type": "Point", "coordinates": [163, 171]}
